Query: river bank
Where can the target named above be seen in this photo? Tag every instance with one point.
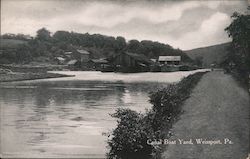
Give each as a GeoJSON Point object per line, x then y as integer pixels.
{"type": "Point", "coordinates": [21, 76]}
{"type": "Point", "coordinates": [65, 117]}
{"type": "Point", "coordinates": [140, 135]}
{"type": "Point", "coordinates": [218, 110]}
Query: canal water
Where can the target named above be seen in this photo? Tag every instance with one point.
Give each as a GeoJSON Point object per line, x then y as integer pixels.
{"type": "Point", "coordinates": [68, 117]}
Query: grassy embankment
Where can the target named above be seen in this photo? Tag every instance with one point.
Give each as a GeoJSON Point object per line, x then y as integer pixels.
{"type": "Point", "coordinates": [17, 76]}
{"type": "Point", "coordinates": [142, 135]}
{"type": "Point", "coordinates": [10, 73]}
{"type": "Point", "coordinates": [218, 109]}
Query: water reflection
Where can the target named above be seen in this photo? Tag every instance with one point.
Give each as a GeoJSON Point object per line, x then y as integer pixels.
{"type": "Point", "coordinates": [40, 117]}
{"type": "Point", "coordinates": [66, 117]}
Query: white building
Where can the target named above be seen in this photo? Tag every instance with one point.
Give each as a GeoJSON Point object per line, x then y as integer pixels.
{"type": "Point", "coordinates": [170, 60]}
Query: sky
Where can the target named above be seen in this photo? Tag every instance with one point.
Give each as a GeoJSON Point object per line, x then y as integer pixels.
{"type": "Point", "coordinates": [183, 24]}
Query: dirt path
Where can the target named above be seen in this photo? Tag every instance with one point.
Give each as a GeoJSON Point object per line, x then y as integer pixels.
{"type": "Point", "coordinates": [217, 109]}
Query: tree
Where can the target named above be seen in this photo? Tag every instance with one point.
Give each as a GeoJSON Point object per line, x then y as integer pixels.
{"type": "Point", "coordinates": [239, 31]}
{"type": "Point", "coordinates": [121, 43]}
{"type": "Point", "coordinates": [43, 34]}
{"type": "Point", "coordinates": [62, 36]}
{"type": "Point", "coordinates": [133, 45]}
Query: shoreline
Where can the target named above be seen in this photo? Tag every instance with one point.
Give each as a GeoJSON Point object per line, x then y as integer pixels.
{"type": "Point", "coordinates": [153, 125]}
{"type": "Point", "coordinates": [18, 76]}
{"type": "Point", "coordinates": [221, 109]}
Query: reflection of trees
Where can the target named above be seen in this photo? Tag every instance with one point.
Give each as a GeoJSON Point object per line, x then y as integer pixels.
{"type": "Point", "coordinates": [42, 97]}
{"type": "Point", "coordinates": [14, 96]}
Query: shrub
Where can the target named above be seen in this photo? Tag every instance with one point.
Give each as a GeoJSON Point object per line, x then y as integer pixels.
{"type": "Point", "coordinates": [129, 139]}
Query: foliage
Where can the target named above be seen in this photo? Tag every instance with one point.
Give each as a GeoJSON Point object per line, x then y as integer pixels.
{"type": "Point", "coordinates": [100, 46]}
{"type": "Point", "coordinates": [239, 31]}
{"type": "Point", "coordinates": [43, 34]}
{"type": "Point", "coordinates": [129, 138]}
{"type": "Point", "coordinates": [16, 36]}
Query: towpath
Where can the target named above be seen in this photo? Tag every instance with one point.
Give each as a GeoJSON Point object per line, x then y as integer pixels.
{"type": "Point", "coordinates": [218, 109]}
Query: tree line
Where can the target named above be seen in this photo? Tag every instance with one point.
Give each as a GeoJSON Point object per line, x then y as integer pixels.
{"type": "Point", "coordinates": [45, 44]}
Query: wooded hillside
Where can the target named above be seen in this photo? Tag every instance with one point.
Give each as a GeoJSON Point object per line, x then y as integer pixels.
{"type": "Point", "coordinates": [211, 54]}
{"type": "Point", "coordinates": [50, 45]}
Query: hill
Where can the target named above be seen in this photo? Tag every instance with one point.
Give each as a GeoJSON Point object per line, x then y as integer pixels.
{"type": "Point", "coordinates": [210, 54]}
{"type": "Point", "coordinates": [47, 46]}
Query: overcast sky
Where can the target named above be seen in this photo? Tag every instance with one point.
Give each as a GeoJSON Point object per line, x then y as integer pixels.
{"type": "Point", "coordinates": [182, 24]}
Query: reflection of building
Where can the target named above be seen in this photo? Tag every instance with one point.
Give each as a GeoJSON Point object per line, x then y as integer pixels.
{"type": "Point", "coordinates": [130, 62]}
{"type": "Point", "coordinates": [169, 60]}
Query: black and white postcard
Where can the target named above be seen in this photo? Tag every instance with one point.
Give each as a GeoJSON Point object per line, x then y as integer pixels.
{"type": "Point", "coordinates": [125, 79]}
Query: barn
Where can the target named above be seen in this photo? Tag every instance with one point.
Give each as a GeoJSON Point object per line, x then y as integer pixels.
{"type": "Point", "coordinates": [81, 55]}
{"type": "Point", "coordinates": [131, 62]}
{"type": "Point", "coordinates": [169, 60]}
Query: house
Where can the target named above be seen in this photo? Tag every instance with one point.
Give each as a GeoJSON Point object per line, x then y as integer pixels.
{"type": "Point", "coordinates": [81, 55]}
{"type": "Point", "coordinates": [98, 64]}
{"type": "Point", "coordinates": [72, 62]}
{"type": "Point", "coordinates": [74, 65]}
{"type": "Point", "coordinates": [60, 60]}
{"type": "Point", "coordinates": [154, 60]}
{"type": "Point", "coordinates": [68, 53]}
{"type": "Point", "coordinates": [131, 62]}
{"type": "Point", "coordinates": [169, 60]}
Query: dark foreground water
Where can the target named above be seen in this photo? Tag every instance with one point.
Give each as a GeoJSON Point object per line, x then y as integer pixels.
{"type": "Point", "coordinates": [66, 117]}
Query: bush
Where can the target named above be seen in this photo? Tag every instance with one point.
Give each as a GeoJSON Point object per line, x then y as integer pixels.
{"type": "Point", "coordinates": [130, 137]}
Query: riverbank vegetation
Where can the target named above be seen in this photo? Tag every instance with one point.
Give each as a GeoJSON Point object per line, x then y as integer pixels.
{"type": "Point", "coordinates": [9, 76]}
{"type": "Point", "coordinates": [135, 133]}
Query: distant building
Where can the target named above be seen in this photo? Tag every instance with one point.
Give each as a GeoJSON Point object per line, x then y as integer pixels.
{"type": "Point", "coordinates": [98, 64]}
{"type": "Point", "coordinates": [169, 60]}
{"type": "Point", "coordinates": [68, 55]}
{"type": "Point", "coordinates": [154, 60]}
{"type": "Point", "coordinates": [74, 64]}
{"type": "Point", "coordinates": [60, 60]}
{"type": "Point", "coordinates": [130, 62]}
{"type": "Point", "coordinates": [81, 55]}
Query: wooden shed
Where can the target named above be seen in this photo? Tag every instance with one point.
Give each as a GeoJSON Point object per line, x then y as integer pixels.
{"type": "Point", "coordinates": [131, 62]}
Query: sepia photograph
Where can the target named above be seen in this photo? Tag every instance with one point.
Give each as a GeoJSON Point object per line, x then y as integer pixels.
{"type": "Point", "coordinates": [125, 79]}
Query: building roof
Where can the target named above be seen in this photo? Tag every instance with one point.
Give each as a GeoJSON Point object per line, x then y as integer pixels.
{"type": "Point", "coordinates": [68, 52]}
{"type": "Point", "coordinates": [60, 58]}
{"type": "Point", "coordinates": [72, 62]}
{"type": "Point", "coordinates": [154, 60]}
{"type": "Point", "coordinates": [83, 51]}
{"type": "Point", "coordinates": [169, 58]}
{"type": "Point", "coordinates": [99, 61]}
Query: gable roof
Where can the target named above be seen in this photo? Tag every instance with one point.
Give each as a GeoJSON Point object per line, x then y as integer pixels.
{"type": "Point", "coordinates": [67, 52]}
{"type": "Point", "coordinates": [72, 62]}
{"type": "Point", "coordinates": [82, 51]}
{"type": "Point", "coordinates": [169, 58]}
{"type": "Point", "coordinates": [60, 58]}
{"type": "Point", "coordinates": [99, 61]}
